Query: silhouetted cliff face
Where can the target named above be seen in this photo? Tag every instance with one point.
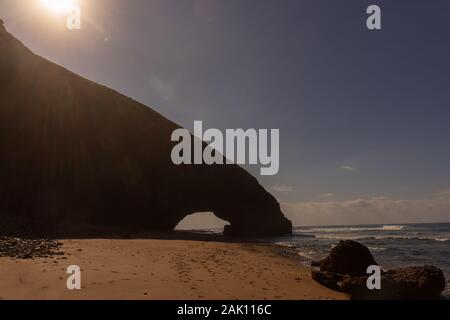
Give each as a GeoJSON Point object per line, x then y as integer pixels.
{"type": "Point", "coordinates": [75, 151]}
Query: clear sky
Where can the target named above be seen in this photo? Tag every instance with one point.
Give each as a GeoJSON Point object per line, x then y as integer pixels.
{"type": "Point", "coordinates": [363, 115]}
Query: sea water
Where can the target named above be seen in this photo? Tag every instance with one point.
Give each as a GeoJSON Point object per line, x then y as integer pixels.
{"type": "Point", "coordinates": [393, 246]}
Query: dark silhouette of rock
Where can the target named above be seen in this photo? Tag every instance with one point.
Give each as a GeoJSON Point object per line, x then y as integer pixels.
{"type": "Point", "coordinates": [425, 282]}
{"type": "Point", "coordinates": [409, 283]}
{"type": "Point", "coordinates": [328, 279]}
{"type": "Point", "coordinates": [348, 257]}
{"type": "Point", "coordinates": [74, 151]}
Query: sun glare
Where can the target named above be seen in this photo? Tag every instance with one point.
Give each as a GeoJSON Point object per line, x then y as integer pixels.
{"type": "Point", "coordinates": [59, 6]}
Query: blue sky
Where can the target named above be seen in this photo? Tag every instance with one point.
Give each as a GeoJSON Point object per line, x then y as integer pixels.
{"type": "Point", "coordinates": [363, 115]}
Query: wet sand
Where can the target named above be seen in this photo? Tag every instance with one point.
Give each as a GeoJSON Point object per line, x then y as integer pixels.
{"type": "Point", "coordinates": [163, 269]}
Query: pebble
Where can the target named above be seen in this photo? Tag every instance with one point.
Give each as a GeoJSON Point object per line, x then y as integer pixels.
{"type": "Point", "coordinates": [18, 248]}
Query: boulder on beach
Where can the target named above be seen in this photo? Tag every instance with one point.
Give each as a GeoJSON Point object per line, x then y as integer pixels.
{"type": "Point", "coordinates": [349, 258]}
{"type": "Point", "coordinates": [426, 282]}
{"type": "Point", "coordinates": [328, 279]}
{"type": "Point", "coordinates": [337, 273]}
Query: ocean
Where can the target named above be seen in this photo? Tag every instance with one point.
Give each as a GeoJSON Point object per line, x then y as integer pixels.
{"type": "Point", "coordinates": [393, 246]}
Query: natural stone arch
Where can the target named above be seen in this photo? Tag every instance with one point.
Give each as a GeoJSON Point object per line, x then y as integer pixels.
{"type": "Point", "coordinates": [86, 154]}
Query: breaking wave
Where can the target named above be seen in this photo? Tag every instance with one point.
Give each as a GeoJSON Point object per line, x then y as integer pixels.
{"type": "Point", "coordinates": [353, 229]}
{"type": "Point", "coordinates": [392, 237]}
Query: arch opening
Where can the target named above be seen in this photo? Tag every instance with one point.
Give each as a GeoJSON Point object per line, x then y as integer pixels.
{"type": "Point", "coordinates": [205, 221]}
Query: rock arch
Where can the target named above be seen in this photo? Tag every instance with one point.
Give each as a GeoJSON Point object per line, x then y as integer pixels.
{"type": "Point", "coordinates": [95, 156]}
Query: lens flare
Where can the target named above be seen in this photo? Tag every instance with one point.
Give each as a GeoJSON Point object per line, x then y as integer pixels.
{"type": "Point", "coordinates": [59, 6]}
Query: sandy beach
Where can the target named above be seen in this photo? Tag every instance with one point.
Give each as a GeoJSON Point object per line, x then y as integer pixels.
{"type": "Point", "coordinates": [163, 269]}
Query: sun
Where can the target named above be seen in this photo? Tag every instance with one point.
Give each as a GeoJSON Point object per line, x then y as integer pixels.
{"type": "Point", "coordinates": [59, 6]}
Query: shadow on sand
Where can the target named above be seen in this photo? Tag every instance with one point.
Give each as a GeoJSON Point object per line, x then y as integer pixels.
{"type": "Point", "coordinates": [30, 229]}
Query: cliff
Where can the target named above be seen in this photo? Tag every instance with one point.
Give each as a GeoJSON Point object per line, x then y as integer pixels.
{"type": "Point", "coordinates": [75, 151]}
